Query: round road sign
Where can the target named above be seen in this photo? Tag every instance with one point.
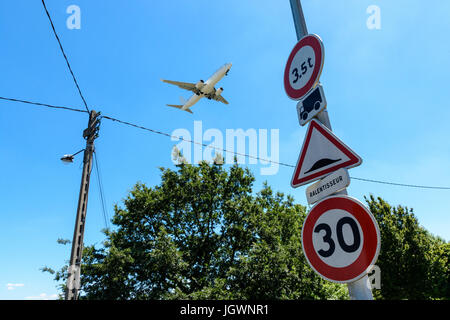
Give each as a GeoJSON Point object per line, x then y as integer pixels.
{"type": "Point", "coordinates": [304, 66]}
{"type": "Point", "coordinates": [340, 239]}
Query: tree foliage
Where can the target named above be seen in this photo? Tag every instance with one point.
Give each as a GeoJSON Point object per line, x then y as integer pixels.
{"type": "Point", "coordinates": [203, 233]}
{"type": "Point", "coordinates": [414, 264]}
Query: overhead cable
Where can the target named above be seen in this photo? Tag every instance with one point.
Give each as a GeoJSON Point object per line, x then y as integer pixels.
{"type": "Point", "coordinates": [216, 148]}
{"type": "Point", "coordinates": [42, 104]}
{"type": "Point", "coordinates": [65, 56]}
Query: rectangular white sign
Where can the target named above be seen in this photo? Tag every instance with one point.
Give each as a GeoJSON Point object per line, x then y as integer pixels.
{"type": "Point", "coordinates": [312, 104]}
{"type": "Point", "coordinates": [332, 183]}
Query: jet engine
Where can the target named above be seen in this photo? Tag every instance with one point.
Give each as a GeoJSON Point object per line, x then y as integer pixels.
{"type": "Point", "coordinates": [200, 84]}
{"type": "Point", "coordinates": [219, 91]}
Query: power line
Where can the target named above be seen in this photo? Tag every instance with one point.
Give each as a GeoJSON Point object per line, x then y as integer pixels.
{"type": "Point", "coordinates": [198, 143]}
{"type": "Point", "coordinates": [42, 104]}
{"type": "Point", "coordinates": [401, 184]}
{"type": "Point", "coordinates": [216, 148]}
{"type": "Point", "coordinates": [102, 194]}
{"type": "Point", "coordinates": [64, 54]}
{"type": "Point", "coordinates": [270, 161]}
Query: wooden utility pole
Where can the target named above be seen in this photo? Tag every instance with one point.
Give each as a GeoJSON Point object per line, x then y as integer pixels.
{"type": "Point", "coordinates": [73, 278]}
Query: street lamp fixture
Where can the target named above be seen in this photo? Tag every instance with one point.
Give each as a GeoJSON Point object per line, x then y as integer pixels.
{"type": "Point", "coordinates": [68, 158]}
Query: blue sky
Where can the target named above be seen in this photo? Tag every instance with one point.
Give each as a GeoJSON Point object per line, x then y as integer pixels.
{"type": "Point", "coordinates": [386, 90]}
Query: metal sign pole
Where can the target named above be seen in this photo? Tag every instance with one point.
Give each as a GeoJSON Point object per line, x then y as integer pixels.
{"type": "Point", "coordinates": [360, 289]}
{"type": "Point", "coordinates": [302, 30]}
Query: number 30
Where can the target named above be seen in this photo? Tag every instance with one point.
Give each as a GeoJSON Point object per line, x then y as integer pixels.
{"type": "Point", "coordinates": [340, 236]}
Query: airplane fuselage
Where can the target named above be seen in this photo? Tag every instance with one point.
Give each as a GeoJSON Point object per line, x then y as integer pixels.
{"type": "Point", "coordinates": [208, 87]}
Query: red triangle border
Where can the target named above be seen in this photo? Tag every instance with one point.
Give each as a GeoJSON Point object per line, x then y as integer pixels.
{"type": "Point", "coordinates": [354, 161]}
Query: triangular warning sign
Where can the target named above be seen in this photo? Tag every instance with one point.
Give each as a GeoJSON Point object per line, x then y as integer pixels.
{"type": "Point", "coordinates": [322, 153]}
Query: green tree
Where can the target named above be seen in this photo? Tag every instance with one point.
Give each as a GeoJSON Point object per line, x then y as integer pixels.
{"type": "Point", "coordinates": [414, 264]}
{"type": "Point", "coordinates": [203, 234]}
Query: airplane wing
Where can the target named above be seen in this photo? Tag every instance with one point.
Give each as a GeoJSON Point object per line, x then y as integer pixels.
{"type": "Point", "coordinates": [182, 85]}
{"type": "Point", "coordinates": [179, 107]}
{"type": "Point", "coordinates": [220, 99]}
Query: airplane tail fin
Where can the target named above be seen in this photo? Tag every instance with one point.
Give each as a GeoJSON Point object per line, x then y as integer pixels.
{"type": "Point", "coordinates": [182, 100]}
{"type": "Point", "coordinates": [179, 107]}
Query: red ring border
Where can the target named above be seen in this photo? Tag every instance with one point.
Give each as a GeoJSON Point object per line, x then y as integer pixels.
{"type": "Point", "coordinates": [315, 42]}
{"type": "Point", "coordinates": [371, 242]}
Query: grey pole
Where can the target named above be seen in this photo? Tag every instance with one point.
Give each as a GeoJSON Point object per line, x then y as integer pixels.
{"type": "Point", "coordinates": [302, 30]}
{"type": "Point", "coordinates": [73, 278]}
{"type": "Point", "coordinates": [360, 289]}
{"type": "Point", "coordinates": [299, 19]}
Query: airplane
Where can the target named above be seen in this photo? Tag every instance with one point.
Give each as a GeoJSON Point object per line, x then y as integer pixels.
{"type": "Point", "coordinates": [201, 89]}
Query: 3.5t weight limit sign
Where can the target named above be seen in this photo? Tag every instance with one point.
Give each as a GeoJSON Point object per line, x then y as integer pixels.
{"type": "Point", "coordinates": [304, 66]}
{"type": "Point", "coordinates": [340, 239]}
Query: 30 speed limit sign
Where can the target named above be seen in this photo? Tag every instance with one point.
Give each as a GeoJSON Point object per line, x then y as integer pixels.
{"type": "Point", "coordinates": [340, 239]}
